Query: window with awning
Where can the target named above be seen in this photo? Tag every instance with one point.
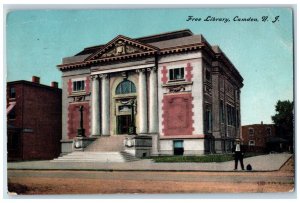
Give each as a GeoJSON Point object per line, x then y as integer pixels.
{"type": "Point", "coordinates": [10, 107]}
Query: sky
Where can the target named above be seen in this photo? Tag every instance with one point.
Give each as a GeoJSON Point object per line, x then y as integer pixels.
{"type": "Point", "coordinates": [37, 40]}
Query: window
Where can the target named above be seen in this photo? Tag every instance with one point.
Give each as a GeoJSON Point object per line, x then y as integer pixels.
{"type": "Point", "coordinates": [178, 147]}
{"type": "Point", "coordinates": [231, 115]}
{"type": "Point", "coordinates": [251, 131]}
{"type": "Point", "coordinates": [78, 85]}
{"type": "Point", "coordinates": [12, 92]}
{"type": "Point", "coordinates": [13, 140]}
{"type": "Point", "coordinates": [269, 131]}
{"type": "Point", "coordinates": [207, 75]}
{"type": "Point", "coordinates": [222, 111]}
{"type": "Point", "coordinates": [126, 87]}
{"type": "Point", "coordinates": [208, 122]}
{"type": "Point", "coordinates": [176, 74]}
{"type": "Point", "coordinates": [238, 118]}
{"type": "Point", "coordinates": [251, 143]}
{"type": "Point", "coordinates": [11, 115]}
{"type": "Point", "coordinates": [237, 93]}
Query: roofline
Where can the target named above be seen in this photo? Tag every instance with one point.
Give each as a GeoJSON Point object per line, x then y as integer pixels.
{"type": "Point", "coordinates": [144, 38]}
{"type": "Point", "coordinates": [158, 52]}
{"type": "Point", "coordinates": [256, 124]}
{"type": "Point", "coordinates": [32, 84]}
{"type": "Point", "coordinates": [91, 57]}
{"type": "Point", "coordinates": [164, 34]}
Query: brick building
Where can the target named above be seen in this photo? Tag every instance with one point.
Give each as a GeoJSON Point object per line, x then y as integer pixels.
{"type": "Point", "coordinates": [33, 120]}
{"type": "Point", "coordinates": [173, 89]}
{"type": "Point", "coordinates": [257, 136]}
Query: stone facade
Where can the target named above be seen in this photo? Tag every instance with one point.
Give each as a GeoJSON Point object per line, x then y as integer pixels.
{"type": "Point", "coordinates": [167, 86]}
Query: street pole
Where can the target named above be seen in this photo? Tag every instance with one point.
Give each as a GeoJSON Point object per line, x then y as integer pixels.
{"type": "Point", "coordinates": [81, 130]}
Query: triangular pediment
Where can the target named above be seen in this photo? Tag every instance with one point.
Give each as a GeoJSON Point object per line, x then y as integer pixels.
{"type": "Point", "coordinates": [121, 46]}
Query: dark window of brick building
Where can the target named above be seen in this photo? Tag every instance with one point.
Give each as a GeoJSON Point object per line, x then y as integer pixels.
{"type": "Point", "coordinates": [269, 132]}
{"type": "Point", "coordinates": [11, 115]}
{"type": "Point", "coordinates": [78, 86]}
{"type": "Point", "coordinates": [251, 131]}
{"type": "Point", "coordinates": [13, 141]}
{"type": "Point", "coordinates": [251, 143]}
{"type": "Point", "coordinates": [12, 92]}
{"type": "Point", "coordinates": [176, 74]}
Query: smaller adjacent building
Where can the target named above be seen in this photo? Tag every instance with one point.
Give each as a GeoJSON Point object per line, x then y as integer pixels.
{"type": "Point", "coordinates": [262, 138]}
{"type": "Point", "coordinates": [33, 120]}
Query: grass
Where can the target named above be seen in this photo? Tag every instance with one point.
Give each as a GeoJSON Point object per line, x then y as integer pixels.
{"type": "Point", "coordinates": [203, 158]}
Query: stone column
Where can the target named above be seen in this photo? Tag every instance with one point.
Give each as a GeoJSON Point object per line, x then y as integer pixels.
{"type": "Point", "coordinates": [95, 106]}
{"type": "Point", "coordinates": [142, 101]}
{"type": "Point", "coordinates": [105, 104]}
{"type": "Point", "coordinates": [153, 101]}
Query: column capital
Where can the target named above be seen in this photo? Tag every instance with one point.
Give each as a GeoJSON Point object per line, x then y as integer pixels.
{"type": "Point", "coordinates": [103, 76]}
{"type": "Point", "coordinates": [152, 69]}
{"type": "Point", "coordinates": [93, 77]}
{"type": "Point", "coordinates": [141, 70]}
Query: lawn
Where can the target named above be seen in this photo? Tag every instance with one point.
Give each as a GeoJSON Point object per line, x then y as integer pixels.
{"type": "Point", "coordinates": [203, 158]}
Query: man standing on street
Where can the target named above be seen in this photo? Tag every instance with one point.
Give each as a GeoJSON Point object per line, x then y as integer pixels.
{"type": "Point", "coordinates": [238, 154]}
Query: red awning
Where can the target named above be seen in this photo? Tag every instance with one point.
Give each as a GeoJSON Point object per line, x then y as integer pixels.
{"type": "Point", "coordinates": [10, 107]}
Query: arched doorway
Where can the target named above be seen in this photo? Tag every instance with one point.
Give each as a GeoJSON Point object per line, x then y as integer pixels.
{"type": "Point", "coordinates": [125, 99]}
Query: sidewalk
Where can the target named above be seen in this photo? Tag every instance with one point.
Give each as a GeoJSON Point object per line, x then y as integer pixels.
{"type": "Point", "coordinates": [270, 162]}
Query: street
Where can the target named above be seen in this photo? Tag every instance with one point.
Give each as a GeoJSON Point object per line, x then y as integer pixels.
{"type": "Point", "coordinates": [125, 182]}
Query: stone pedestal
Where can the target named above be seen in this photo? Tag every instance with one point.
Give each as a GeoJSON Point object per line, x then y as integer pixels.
{"type": "Point", "coordinates": [139, 145]}
{"type": "Point", "coordinates": [79, 143]}
{"type": "Point", "coordinates": [155, 145]}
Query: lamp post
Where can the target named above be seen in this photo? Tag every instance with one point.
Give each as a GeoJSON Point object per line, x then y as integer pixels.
{"type": "Point", "coordinates": [81, 130]}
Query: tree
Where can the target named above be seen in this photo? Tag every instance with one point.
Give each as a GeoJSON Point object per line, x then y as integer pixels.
{"type": "Point", "coordinates": [284, 120]}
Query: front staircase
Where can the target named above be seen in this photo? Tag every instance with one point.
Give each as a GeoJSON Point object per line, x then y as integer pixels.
{"type": "Point", "coordinates": [103, 149]}
{"type": "Point", "coordinates": [107, 144]}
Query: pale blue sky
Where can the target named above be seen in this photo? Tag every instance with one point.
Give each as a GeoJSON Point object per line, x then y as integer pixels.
{"type": "Point", "coordinates": [37, 40]}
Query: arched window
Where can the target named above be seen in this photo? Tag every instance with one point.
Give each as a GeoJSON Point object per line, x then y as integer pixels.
{"type": "Point", "coordinates": [126, 87]}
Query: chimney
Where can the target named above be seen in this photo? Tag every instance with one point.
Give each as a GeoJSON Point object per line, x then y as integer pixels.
{"type": "Point", "coordinates": [36, 79]}
{"type": "Point", "coordinates": [54, 84]}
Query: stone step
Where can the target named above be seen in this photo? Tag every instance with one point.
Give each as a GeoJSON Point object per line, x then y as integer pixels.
{"type": "Point", "coordinates": [96, 157]}
{"type": "Point", "coordinates": [111, 143]}
{"type": "Point", "coordinates": [128, 156]}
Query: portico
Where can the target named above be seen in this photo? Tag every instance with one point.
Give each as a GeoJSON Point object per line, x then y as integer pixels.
{"type": "Point", "coordinates": [145, 108]}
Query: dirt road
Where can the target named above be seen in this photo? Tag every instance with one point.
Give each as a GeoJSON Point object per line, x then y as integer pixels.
{"type": "Point", "coordinates": [125, 182]}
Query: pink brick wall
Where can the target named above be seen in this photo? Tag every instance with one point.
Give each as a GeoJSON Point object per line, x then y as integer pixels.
{"type": "Point", "coordinates": [177, 114]}
{"type": "Point", "coordinates": [74, 119]}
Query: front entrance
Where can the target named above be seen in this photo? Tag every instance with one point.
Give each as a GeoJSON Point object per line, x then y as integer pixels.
{"type": "Point", "coordinates": [14, 144]}
{"type": "Point", "coordinates": [123, 123]}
